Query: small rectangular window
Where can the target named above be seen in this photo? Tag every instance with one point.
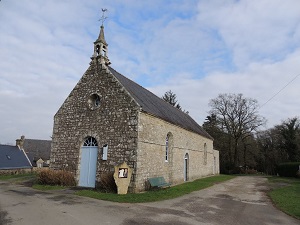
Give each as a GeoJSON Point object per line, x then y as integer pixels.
{"type": "Point", "coordinates": [105, 149]}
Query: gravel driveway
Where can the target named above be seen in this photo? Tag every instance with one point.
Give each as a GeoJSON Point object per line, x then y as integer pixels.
{"type": "Point", "coordinates": [241, 200]}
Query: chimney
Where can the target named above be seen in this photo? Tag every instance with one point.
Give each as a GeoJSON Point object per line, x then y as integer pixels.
{"type": "Point", "coordinates": [20, 142]}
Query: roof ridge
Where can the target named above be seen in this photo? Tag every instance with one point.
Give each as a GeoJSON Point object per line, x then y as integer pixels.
{"type": "Point", "coordinates": [8, 145]}
{"type": "Point", "coordinates": [36, 139]}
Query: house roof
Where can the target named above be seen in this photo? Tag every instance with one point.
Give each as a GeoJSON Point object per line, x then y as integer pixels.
{"type": "Point", "coordinates": [11, 157]}
{"type": "Point", "coordinates": [156, 106]}
{"type": "Point", "coordinates": [37, 149]}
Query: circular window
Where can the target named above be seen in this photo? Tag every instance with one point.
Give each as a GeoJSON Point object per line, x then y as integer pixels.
{"type": "Point", "coordinates": [94, 101]}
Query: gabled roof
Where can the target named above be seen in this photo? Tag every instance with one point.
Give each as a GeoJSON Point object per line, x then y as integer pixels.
{"type": "Point", "coordinates": [156, 106]}
{"type": "Point", "coordinates": [11, 157]}
{"type": "Point", "coordinates": [37, 149]}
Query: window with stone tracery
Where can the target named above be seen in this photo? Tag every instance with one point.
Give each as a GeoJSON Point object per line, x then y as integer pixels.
{"type": "Point", "coordinates": [90, 141]}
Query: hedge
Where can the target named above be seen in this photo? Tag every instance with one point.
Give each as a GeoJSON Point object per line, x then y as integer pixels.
{"type": "Point", "coordinates": [56, 177]}
{"type": "Point", "coordinates": [289, 169]}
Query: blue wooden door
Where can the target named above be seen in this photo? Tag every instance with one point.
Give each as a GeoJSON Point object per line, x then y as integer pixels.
{"type": "Point", "coordinates": [88, 166]}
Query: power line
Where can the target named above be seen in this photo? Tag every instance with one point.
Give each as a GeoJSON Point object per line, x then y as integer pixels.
{"type": "Point", "coordinates": [279, 91]}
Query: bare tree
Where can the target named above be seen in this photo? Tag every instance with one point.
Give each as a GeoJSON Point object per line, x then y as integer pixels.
{"type": "Point", "coordinates": [238, 117]}
{"type": "Point", "coordinates": [279, 144]}
{"type": "Point", "coordinates": [220, 141]}
{"type": "Point", "coordinates": [269, 152]}
{"type": "Point", "coordinates": [290, 134]}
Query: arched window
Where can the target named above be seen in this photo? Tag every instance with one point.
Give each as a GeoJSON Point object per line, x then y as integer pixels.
{"type": "Point", "coordinates": [90, 141]}
{"type": "Point", "coordinates": [169, 145]}
{"type": "Point", "coordinates": [98, 49]}
{"type": "Point", "coordinates": [205, 154]}
{"type": "Point", "coordinates": [167, 149]}
{"type": "Point", "coordinates": [94, 101]}
{"type": "Point", "coordinates": [103, 51]}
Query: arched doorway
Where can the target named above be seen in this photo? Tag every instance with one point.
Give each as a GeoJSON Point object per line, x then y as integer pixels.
{"type": "Point", "coordinates": [186, 167]}
{"type": "Point", "coordinates": [88, 163]}
{"type": "Point", "coordinates": [215, 166]}
{"type": "Point", "coordinates": [205, 154]}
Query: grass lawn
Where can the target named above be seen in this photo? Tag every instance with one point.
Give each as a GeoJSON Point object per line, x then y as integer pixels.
{"type": "Point", "coordinates": [18, 177]}
{"type": "Point", "coordinates": [157, 195]}
{"type": "Point", "coordinates": [286, 194]}
{"type": "Point", "coordinates": [47, 187]}
{"type": "Point", "coordinates": [22, 178]}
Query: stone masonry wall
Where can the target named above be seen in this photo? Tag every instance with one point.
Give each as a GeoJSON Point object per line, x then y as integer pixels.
{"type": "Point", "coordinates": [114, 123]}
{"type": "Point", "coordinates": [151, 152]}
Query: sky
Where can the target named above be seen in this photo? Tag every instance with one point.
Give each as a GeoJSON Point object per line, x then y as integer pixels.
{"type": "Point", "coordinates": [196, 48]}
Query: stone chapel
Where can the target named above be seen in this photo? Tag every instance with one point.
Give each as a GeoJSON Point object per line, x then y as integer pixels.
{"type": "Point", "coordinates": [108, 119]}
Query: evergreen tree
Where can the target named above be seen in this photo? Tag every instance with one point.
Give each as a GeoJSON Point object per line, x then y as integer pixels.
{"type": "Point", "coordinates": [171, 98]}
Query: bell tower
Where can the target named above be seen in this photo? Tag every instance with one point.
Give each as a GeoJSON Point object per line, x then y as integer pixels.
{"type": "Point", "coordinates": [100, 45]}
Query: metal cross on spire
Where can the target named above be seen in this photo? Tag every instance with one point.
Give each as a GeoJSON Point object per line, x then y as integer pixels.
{"type": "Point", "coordinates": [103, 17]}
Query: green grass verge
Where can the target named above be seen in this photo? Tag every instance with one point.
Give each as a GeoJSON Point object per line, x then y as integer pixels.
{"type": "Point", "coordinates": [18, 176]}
{"type": "Point", "coordinates": [47, 187]}
{"type": "Point", "coordinates": [286, 194]}
{"type": "Point", "coordinates": [157, 195]}
{"type": "Point", "coordinates": [31, 178]}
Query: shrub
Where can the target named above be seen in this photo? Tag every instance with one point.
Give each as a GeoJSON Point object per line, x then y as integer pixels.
{"type": "Point", "coordinates": [251, 171]}
{"type": "Point", "coordinates": [107, 182]}
{"type": "Point", "coordinates": [288, 169]}
{"type": "Point", "coordinates": [56, 177]}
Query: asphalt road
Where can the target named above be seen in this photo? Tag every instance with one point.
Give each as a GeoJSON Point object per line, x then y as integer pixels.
{"type": "Point", "coordinates": [239, 201]}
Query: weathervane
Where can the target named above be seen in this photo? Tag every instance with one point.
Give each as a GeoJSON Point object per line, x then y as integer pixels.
{"type": "Point", "coordinates": [103, 18]}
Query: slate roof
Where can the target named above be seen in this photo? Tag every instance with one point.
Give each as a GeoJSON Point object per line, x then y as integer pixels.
{"type": "Point", "coordinates": [156, 106]}
{"type": "Point", "coordinates": [37, 149]}
{"type": "Point", "coordinates": [11, 157]}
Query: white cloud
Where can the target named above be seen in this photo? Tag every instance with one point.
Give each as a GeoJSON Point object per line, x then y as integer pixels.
{"type": "Point", "coordinates": [260, 81]}
{"type": "Point", "coordinates": [254, 30]}
{"type": "Point", "coordinates": [198, 49]}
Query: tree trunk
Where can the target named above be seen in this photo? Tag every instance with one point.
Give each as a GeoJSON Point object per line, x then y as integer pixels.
{"type": "Point", "coordinates": [235, 153]}
{"type": "Point", "coordinates": [229, 150]}
{"type": "Point", "coordinates": [245, 152]}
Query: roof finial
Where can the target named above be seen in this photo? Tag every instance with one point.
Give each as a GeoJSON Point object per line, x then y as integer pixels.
{"type": "Point", "coordinates": [103, 17]}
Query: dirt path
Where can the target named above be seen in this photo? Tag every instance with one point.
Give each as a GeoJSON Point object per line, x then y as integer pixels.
{"type": "Point", "coordinates": [239, 201]}
{"type": "Point", "coordinates": [242, 200]}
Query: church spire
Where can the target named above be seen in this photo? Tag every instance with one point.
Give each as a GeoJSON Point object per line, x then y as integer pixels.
{"type": "Point", "coordinates": [100, 45]}
{"type": "Point", "coordinates": [101, 37]}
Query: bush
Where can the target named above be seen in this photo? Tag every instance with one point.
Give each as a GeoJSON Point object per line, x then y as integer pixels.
{"type": "Point", "coordinates": [107, 182]}
{"type": "Point", "coordinates": [288, 169]}
{"type": "Point", "coordinates": [252, 171]}
{"type": "Point", "coordinates": [56, 177]}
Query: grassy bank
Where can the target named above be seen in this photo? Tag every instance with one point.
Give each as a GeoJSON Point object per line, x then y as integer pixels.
{"type": "Point", "coordinates": [285, 194]}
{"type": "Point", "coordinates": [15, 177]}
{"type": "Point", "coordinates": [47, 187]}
{"type": "Point", "coordinates": [157, 195]}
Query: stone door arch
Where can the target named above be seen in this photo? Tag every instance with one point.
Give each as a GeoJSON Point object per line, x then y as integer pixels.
{"type": "Point", "coordinates": [88, 163]}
